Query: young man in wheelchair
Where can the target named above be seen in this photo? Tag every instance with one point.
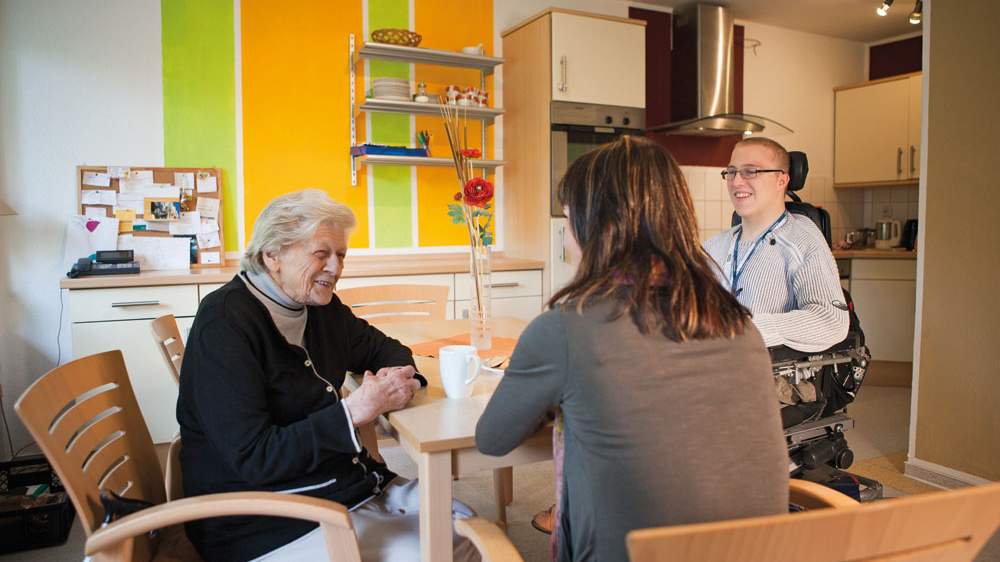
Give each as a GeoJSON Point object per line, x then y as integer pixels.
{"type": "Point", "coordinates": [777, 262]}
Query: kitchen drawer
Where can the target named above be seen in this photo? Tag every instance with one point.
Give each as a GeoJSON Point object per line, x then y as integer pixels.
{"type": "Point", "coordinates": [445, 279]}
{"type": "Point", "coordinates": [504, 284]}
{"type": "Point", "coordinates": [903, 270]}
{"type": "Point", "coordinates": [206, 288]}
{"type": "Point", "coordinates": [132, 303]}
{"type": "Point", "coordinates": [525, 308]}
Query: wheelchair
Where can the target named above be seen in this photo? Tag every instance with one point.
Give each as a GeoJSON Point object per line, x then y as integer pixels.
{"type": "Point", "coordinates": [815, 388]}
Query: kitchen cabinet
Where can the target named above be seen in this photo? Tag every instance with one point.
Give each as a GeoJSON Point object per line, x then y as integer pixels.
{"type": "Point", "coordinates": [877, 133]}
{"type": "Point", "coordinates": [598, 60]}
{"type": "Point", "coordinates": [119, 318]}
{"type": "Point", "coordinates": [885, 295]}
{"type": "Point", "coordinates": [107, 314]}
{"type": "Point", "coordinates": [604, 64]}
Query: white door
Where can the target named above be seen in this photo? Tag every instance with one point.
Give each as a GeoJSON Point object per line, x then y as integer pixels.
{"type": "Point", "coordinates": [871, 133]}
{"type": "Point", "coordinates": [916, 95]}
{"type": "Point", "coordinates": [597, 60]}
{"type": "Point", "coordinates": [562, 267]}
{"type": "Point", "coordinates": [151, 380]}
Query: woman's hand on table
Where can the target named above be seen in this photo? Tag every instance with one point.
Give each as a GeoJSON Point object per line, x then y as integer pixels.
{"type": "Point", "coordinates": [389, 389]}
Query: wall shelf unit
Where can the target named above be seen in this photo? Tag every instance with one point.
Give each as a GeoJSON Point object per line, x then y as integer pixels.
{"type": "Point", "coordinates": [393, 106]}
{"type": "Point", "coordinates": [416, 55]}
{"type": "Point", "coordinates": [383, 160]}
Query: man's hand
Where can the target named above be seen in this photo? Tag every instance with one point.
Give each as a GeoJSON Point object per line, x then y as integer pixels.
{"type": "Point", "coordinates": [389, 389]}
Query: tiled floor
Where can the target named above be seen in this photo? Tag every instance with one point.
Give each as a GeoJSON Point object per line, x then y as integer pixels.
{"type": "Point", "coordinates": [879, 440]}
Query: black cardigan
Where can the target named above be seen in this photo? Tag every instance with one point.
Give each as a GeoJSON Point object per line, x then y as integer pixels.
{"type": "Point", "coordinates": [254, 416]}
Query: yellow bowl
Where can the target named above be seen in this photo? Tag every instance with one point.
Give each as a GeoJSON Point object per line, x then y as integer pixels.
{"type": "Point", "coordinates": [396, 37]}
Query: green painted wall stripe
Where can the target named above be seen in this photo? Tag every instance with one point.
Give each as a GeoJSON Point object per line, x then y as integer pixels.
{"type": "Point", "coordinates": [199, 94]}
{"type": "Point", "coordinates": [393, 200]}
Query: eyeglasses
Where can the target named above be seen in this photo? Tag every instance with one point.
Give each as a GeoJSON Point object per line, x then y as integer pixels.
{"type": "Point", "coordinates": [746, 172]}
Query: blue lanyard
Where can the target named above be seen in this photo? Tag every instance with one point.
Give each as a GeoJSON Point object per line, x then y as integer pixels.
{"type": "Point", "coordinates": [737, 272]}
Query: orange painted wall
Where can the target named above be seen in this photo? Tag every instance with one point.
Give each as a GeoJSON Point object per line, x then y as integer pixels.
{"type": "Point", "coordinates": [448, 25]}
{"type": "Point", "coordinates": [295, 104]}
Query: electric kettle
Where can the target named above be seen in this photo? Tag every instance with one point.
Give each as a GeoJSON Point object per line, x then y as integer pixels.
{"type": "Point", "coordinates": [888, 233]}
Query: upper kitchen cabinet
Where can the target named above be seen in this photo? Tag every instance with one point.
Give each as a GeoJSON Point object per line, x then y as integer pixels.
{"type": "Point", "coordinates": [877, 130]}
{"type": "Point", "coordinates": [598, 60]}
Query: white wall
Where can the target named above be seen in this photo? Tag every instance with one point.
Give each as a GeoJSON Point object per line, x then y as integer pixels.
{"type": "Point", "coordinates": [791, 79]}
{"type": "Point", "coordinates": [80, 83]}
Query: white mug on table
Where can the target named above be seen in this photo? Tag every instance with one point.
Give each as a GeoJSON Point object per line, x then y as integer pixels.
{"type": "Point", "coordinates": [460, 366]}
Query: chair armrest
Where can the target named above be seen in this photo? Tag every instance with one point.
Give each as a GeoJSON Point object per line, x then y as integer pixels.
{"type": "Point", "coordinates": [492, 544]}
{"type": "Point", "coordinates": [331, 516]}
{"type": "Point", "coordinates": [811, 495]}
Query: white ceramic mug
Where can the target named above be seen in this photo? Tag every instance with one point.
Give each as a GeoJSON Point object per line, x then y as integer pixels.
{"type": "Point", "coordinates": [459, 368]}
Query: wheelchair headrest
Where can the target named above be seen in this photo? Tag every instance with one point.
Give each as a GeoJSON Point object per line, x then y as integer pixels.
{"type": "Point", "coordinates": [798, 169]}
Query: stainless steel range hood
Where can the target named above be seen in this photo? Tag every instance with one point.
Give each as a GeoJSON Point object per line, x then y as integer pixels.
{"type": "Point", "coordinates": [701, 77]}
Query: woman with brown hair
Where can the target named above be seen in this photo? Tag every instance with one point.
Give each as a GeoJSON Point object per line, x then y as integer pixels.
{"type": "Point", "coordinates": [662, 383]}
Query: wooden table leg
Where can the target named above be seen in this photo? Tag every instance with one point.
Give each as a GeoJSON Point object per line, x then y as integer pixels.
{"type": "Point", "coordinates": [434, 470]}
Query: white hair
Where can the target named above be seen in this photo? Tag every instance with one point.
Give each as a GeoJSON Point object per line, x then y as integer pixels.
{"type": "Point", "coordinates": [293, 218]}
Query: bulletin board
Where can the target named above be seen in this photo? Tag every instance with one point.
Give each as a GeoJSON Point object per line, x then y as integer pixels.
{"type": "Point", "coordinates": [159, 202]}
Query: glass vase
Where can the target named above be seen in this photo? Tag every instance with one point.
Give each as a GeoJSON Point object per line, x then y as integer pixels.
{"type": "Point", "coordinates": [480, 317]}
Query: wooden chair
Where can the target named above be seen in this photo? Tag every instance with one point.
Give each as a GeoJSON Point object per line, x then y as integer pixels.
{"type": "Point", "coordinates": [951, 526]}
{"type": "Point", "coordinates": [381, 304]}
{"type": "Point", "coordinates": [168, 340]}
{"type": "Point", "coordinates": [85, 418]}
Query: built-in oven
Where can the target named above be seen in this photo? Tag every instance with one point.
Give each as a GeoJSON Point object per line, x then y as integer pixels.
{"type": "Point", "coordinates": [578, 128]}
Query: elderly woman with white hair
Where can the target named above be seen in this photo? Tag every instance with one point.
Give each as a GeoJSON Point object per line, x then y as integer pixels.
{"type": "Point", "coordinates": [259, 407]}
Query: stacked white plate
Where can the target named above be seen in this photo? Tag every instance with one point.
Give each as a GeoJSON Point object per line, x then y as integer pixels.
{"type": "Point", "coordinates": [391, 89]}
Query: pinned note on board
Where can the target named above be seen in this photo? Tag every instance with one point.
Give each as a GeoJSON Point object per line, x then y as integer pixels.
{"type": "Point", "coordinates": [207, 183]}
{"type": "Point", "coordinates": [96, 179]}
{"type": "Point", "coordinates": [86, 235]}
{"type": "Point", "coordinates": [208, 207]}
{"type": "Point", "coordinates": [184, 180]}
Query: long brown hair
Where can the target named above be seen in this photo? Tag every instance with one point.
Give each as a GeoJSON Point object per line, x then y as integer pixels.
{"type": "Point", "coordinates": [632, 215]}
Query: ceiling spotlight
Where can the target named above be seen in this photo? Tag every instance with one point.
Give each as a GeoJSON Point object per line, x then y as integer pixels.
{"type": "Point", "coordinates": [918, 12]}
{"type": "Point", "coordinates": [884, 8]}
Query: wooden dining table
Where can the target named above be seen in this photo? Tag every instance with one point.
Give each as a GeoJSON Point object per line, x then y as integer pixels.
{"type": "Point", "coordinates": [439, 433]}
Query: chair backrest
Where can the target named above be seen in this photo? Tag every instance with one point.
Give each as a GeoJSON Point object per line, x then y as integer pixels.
{"type": "Point", "coordinates": [950, 526]}
{"type": "Point", "coordinates": [382, 304]}
{"type": "Point", "coordinates": [168, 340]}
{"type": "Point", "coordinates": [85, 418]}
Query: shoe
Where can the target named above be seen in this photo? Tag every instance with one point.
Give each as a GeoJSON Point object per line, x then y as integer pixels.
{"type": "Point", "coordinates": [544, 521]}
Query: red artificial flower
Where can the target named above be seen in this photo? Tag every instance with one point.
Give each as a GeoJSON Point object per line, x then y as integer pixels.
{"type": "Point", "coordinates": [478, 192]}
{"type": "Point", "coordinates": [458, 196]}
{"type": "Point", "coordinates": [471, 153]}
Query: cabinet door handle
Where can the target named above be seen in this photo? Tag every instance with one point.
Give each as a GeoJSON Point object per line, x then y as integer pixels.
{"type": "Point", "coordinates": [913, 160]}
{"type": "Point", "coordinates": [504, 285]}
{"type": "Point", "coordinates": [134, 303]}
{"type": "Point", "coordinates": [562, 244]}
{"type": "Point", "coordinates": [562, 74]}
{"type": "Point", "coordinates": [899, 161]}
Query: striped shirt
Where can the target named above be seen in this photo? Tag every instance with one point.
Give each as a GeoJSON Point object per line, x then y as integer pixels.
{"type": "Point", "coordinates": [789, 282]}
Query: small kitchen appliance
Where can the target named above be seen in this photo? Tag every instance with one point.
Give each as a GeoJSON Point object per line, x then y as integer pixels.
{"type": "Point", "coordinates": [888, 233]}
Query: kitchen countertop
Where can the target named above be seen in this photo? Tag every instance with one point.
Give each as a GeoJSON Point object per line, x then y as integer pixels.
{"type": "Point", "coordinates": [355, 266]}
{"type": "Point", "coordinates": [872, 253]}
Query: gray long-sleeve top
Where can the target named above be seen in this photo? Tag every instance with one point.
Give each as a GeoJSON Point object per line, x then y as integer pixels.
{"type": "Point", "coordinates": [656, 432]}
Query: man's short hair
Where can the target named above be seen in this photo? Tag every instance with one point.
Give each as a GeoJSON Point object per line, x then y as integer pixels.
{"type": "Point", "coordinates": [780, 154]}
